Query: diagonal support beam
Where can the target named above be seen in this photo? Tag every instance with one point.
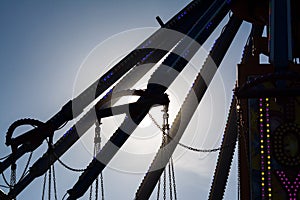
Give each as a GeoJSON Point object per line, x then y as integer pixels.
{"type": "Point", "coordinates": [187, 109]}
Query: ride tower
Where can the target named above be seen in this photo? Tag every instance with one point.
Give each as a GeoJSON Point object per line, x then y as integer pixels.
{"type": "Point", "coordinates": [269, 142]}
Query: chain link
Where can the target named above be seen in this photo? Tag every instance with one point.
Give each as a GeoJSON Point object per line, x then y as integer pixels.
{"type": "Point", "coordinates": [170, 181]}
{"type": "Point", "coordinates": [54, 182]}
{"type": "Point", "coordinates": [49, 184]}
{"type": "Point", "coordinates": [158, 189]}
{"type": "Point", "coordinates": [91, 191]}
{"type": "Point", "coordinates": [13, 175]}
{"type": "Point", "coordinates": [44, 186]}
{"type": "Point", "coordinates": [66, 166]}
{"type": "Point", "coordinates": [173, 176]}
{"type": "Point", "coordinates": [164, 186]}
{"type": "Point", "coordinates": [97, 185]}
{"type": "Point", "coordinates": [184, 145]}
{"type": "Point", "coordinates": [102, 185]}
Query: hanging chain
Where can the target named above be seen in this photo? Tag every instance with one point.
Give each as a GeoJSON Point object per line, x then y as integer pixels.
{"type": "Point", "coordinates": [49, 184]}
{"type": "Point", "coordinates": [91, 192]}
{"type": "Point", "coordinates": [170, 181]}
{"type": "Point", "coordinates": [97, 185]}
{"type": "Point", "coordinates": [13, 176]}
{"type": "Point", "coordinates": [54, 182]}
{"type": "Point", "coordinates": [164, 186]}
{"type": "Point", "coordinates": [173, 177]}
{"type": "Point", "coordinates": [166, 127]}
{"type": "Point", "coordinates": [102, 185]}
{"type": "Point", "coordinates": [97, 148]}
{"type": "Point", "coordinates": [158, 189]}
{"type": "Point", "coordinates": [44, 186]}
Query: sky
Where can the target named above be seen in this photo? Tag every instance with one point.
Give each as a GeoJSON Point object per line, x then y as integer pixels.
{"type": "Point", "coordinates": [45, 54]}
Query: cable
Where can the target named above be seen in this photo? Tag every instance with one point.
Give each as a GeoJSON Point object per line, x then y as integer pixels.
{"type": "Point", "coordinates": [44, 186]}
{"type": "Point", "coordinates": [64, 196]}
{"type": "Point", "coordinates": [4, 157]}
{"type": "Point", "coordinates": [4, 186]}
{"type": "Point", "coordinates": [26, 166]}
{"type": "Point", "coordinates": [63, 125]}
{"type": "Point", "coordinates": [5, 180]}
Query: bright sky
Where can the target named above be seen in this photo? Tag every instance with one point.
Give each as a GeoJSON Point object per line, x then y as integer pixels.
{"type": "Point", "coordinates": [44, 48]}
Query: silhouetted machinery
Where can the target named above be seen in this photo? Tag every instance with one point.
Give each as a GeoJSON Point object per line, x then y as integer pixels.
{"type": "Point", "coordinates": [264, 117]}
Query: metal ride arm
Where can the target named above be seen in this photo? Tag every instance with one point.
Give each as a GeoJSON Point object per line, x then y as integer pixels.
{"type": "Point", "coordinates": [201, 31]}
{"type": "Point", "coordinates": [41, 166]}
{"type": "Point", "coordinates": [226, 154]}
{"type": "Point", "coordinates": [187, 109]}
{"type": "Point", "coordinates": [181, 22]}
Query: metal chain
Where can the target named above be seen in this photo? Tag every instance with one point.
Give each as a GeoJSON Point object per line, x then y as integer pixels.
{"type": "Point", "coordinates": [97, 185]}
{"type": "Point", "coordinates": [186, 146]}
{"type": "Point", "coordinates": [66, 166]}
{"type": "Point", "coordinates": [91, 187]}
{"type": "Point", "coordinates": [49, 184]}
{"type": "Point", "coordinates": [164, 185]}
{"type": "Point", "coordinates": [44, 186]}
{"type": "Point", "coordinates": [97, 148]}
{"type": "Point", "coordinates": [170, 181]}
{"type": "Point", "coordinates": [102, 185]}
{"type": "Point", "coordinates": [91, 191]}
{"type": "Point", "coordinates": [54, 182]}
{"type": "Point", "coordinates": [173, 177]}
{"type": "Point", "coordinates": [13, 176]}
{"type": "Point", "coordinates": [26, 166]}
{"type": "Point", "coordinates": [158, 189]}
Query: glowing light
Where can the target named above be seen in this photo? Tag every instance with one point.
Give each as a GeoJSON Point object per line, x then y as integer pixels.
{"type": "Point", "coordinates": [268, 146]}
{"type": "Point", "coordinates": [290, 186]}
{"type": "Point", "coordinates": [262, 163]}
